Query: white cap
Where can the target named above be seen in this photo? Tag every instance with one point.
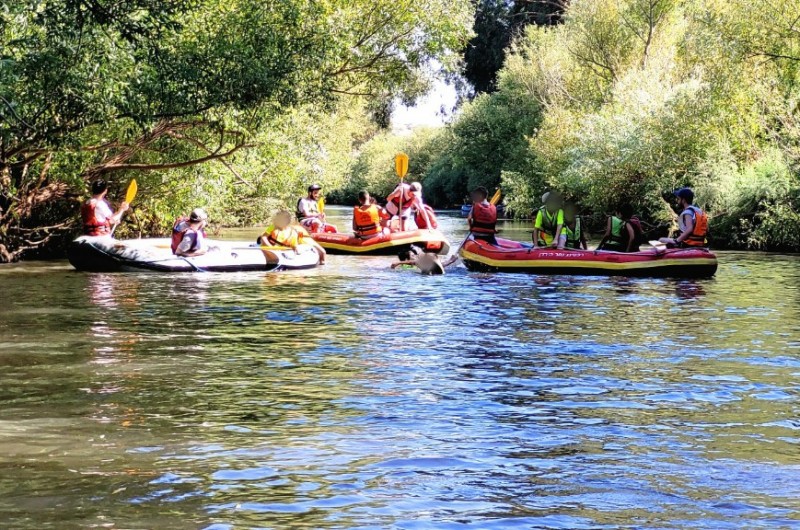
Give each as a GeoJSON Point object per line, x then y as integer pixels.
{"type": "Point", "coordinates": [545, 197]}
{"type": "Point", "coordinates": [198, 214]}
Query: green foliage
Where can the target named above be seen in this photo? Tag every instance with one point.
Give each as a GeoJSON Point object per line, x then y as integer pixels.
{"type": "Point", "coordinates": [638, 97]}
{"type": "Point", "coordinates": [91, 89]}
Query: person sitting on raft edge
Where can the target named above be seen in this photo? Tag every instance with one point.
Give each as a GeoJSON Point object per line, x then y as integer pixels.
{"type": "Point", "coordinates": [97, 216]}
{"type": "Point", "coordinates": [692, 223]}
{"type": "Point", "coordinates": [188, 236]}
{"type": "Point", "coordinates": [575, 236]}
{"type": "Point", "coordinates": [367, 217]}
{"type": "Point", "coordinates": [309, 214]}
{"type": "Point", "coordinates": [549, 222]}
{"type": "Point", "coordinates": [482, 218]}
{"type": "Point", "coordinates": [623, 231]}
{"type": "Point", "coordinates": [281, 233]}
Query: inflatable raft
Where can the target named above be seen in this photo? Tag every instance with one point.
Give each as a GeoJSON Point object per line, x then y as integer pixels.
{"type": "Point", "coordinates": [383, 244]}
{"type": "Point", "coordinates": [511, 256]}
{"type": "Point", "coordinates": [105, 254]}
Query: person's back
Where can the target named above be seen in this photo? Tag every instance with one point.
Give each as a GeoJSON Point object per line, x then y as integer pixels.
{"type": "Point", "coordinates": [482, 218]}
{"type": "Point", "coordinates": [620, 234]}
{"type": "Point", "coordinates": [96, 214]}
{"type": "Point", "coordinates": [366, 217]}
{"type": "Point", "coordinates": [188, 236]}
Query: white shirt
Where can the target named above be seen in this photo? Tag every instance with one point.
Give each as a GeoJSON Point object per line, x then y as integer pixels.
{"type": "Point", "coordinates": [192, 243]}
{"type": "Point", "coordinates": [102, 211]}
{"type": "Point", "coordinates": [308, 206]}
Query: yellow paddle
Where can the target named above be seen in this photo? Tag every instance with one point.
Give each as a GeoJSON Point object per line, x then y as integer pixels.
{"type": "Point", "coordinates": [401, 168]}
{"type": "Point", "coordinates": [133, 189]}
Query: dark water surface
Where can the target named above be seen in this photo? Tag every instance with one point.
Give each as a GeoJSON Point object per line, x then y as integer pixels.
{"type": "Point", "coordinates": [357, 397]}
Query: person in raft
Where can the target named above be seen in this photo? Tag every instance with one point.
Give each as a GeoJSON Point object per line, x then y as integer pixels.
{"type": "Point", "coordinates": [549, 222]}
{"type": "Point", "coordinates": [309, 214]}
{"type": "Point", "coordinates": [367, 217]}
{"type": "Point", "coordinates": [402, 202]}
{"type": "Point", "coordinates": [482, 218]}
{"type": "Point", "coordinates": [189, 236]}
{"type": "Point", "coordinates": [692, 223]}
{"type": "Point", "coordinates": [575, 237]}
{"type": "Point", "coordinates": [623, 231]}
{"type": "Point", "coordinates": [281, 233]}
{"type": "Point", "coordinates": [97, 216]}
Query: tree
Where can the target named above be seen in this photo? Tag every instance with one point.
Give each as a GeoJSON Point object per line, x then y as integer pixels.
{"type": "Point", "coordinates": [90, 89]}
{"type": "Point", "coordinates": [497, 22]}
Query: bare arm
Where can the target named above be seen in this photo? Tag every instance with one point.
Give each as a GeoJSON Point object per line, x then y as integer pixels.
{"type": "Point", "coordinates": [686, 233]}
{"type": "Point", "coordinates": [557, 238]}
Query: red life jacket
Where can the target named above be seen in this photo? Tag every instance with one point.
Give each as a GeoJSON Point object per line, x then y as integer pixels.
{"type": "Point", "coordinates": [179, 229]}
{"type": "Point", "coordinates": [484, 218]}
{"type": "Point", "coordinates": [91, 227]}
{"type": "Point", "coordinates": [422, 219]}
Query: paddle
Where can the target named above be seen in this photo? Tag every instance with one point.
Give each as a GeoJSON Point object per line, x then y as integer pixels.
{"type": "Point", "coordinates": [660, 247]}
{"type": "Point", "coordinates": [133, 188]}
{"type": "Point", "coordinates": [401, 168]}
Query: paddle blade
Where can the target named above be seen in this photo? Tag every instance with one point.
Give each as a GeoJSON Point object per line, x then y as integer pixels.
{"type": "Point", "coordinates": [321, 205]}
{"type": "Point", "coordinates": [401, 164]}
{"type": "Point", "coordinates": [133, 188]}
{"type": "Point", "coordinates": [496, 197]}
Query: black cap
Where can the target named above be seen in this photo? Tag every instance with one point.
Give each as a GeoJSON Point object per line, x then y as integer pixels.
{"type": "Point", "coordinates": [314, 187]}
{"type": "Point", "coordinates": [685, 193]}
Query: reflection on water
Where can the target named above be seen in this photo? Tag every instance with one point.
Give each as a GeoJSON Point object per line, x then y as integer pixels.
{"type": "Point", "coordinates": [355, 396]}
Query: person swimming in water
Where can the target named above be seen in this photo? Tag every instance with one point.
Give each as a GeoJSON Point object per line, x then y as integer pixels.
{"type": "Point", "coordinates": [427, 263]}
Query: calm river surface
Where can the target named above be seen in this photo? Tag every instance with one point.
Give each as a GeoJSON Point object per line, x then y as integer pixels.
{"type": "Point", "coordinates": [353, 396]}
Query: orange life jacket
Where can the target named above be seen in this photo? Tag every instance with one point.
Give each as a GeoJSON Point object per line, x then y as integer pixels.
{"type": "Point", "coordinates": [422, 219]}
{"type": "Point", "coordinates": [367, 220]}
{"type": "Point", "coordinates": [179, 229]}
{"type": "Point", "coordinates": [288, 237]}
{"type": "Point", "coordinates": [484, 218]}
{"type": "Point", "coordinates": [698, 236]}
{"type": "Point", "coordinates": [91, 227]}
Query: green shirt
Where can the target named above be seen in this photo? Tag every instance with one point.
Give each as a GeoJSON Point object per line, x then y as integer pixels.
{"type": "Point", "coordinates": [548, 222]}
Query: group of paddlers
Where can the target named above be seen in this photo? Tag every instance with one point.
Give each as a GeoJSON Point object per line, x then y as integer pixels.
{"type": "Point", "coordinates": [404, 211]}
{"type": "Point", "coordinates": [557, 223]}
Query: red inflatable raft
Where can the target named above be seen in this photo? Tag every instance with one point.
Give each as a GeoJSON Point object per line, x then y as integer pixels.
{"type": "Point", "coordinates": [510, 256]}
{"type": "Point", "coordinates": [383, 244]}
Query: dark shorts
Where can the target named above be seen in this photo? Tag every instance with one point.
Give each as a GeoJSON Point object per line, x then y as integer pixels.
{"type": "Point", "coordinates": [489, 238]}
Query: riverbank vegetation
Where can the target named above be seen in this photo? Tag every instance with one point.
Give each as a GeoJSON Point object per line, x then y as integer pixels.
{"type": "Point", "coordinates": [216, 103]}
{"type": "Point", "coordinates": [627, 99]}
{"type": "Point", "coordinates": [237, 106]}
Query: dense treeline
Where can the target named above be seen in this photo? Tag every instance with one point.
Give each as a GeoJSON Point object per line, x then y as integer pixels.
{"type": "Point", "coordinates": [237, 106]}
{"type": "Point", "coordinates": [216, 103]}
{"type": "Point", "coordinates": [627, 99]}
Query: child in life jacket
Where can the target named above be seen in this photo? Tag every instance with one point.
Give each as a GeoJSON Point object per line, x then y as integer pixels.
{"type": "Point", "coordinates": [367, 217]}
{"type": "Point", "coordinates": [281, 233]}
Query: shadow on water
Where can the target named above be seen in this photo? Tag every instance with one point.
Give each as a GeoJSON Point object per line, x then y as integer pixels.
{"type": "Point", "coordinates": [354, 396]}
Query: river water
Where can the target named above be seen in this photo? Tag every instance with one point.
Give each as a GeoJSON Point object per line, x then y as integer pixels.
{"type": "Point", "coordinates": [353, 396]}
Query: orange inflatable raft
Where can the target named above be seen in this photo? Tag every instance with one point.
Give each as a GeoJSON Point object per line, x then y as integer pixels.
{"type": "Point", "coordinates": [383, 244]}
{"type": "Point", "coordinates": [511, 256]}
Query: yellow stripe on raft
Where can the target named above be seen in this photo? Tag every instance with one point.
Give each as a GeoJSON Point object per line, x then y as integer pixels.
{"type": "Point", "coordinates": [385, 244]}
{"type": "Point", "coordinates": [585, 264]}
